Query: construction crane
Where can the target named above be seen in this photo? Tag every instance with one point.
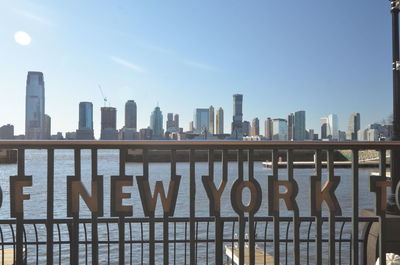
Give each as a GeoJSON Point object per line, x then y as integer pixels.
{"type": "Point", "coordinates": [102, 94]}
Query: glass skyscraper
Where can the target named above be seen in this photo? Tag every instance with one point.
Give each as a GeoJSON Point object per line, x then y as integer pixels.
{"type": "Point", "coordinates": [34, 106]}
{"type": "Point", "coordinates": [156, 123]}
{"type": "Point", "coordinates": [201, 120]}
{"type": "Point", "coordinates": [299, 125]}
{"type": "Point", "coordinates": [130, 114]}
{"type": "Point", "coordinates": [85, 127]}
{"type": "Point", "coordinates": [237, 126]}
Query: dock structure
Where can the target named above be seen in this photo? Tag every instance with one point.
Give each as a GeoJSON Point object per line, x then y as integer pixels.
{"type": "Point", "coordinates": [261, 258]}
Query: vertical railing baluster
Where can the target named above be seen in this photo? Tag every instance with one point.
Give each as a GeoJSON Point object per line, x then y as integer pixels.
{"type": "Point", "coordinates": [151, 215]}
{"type": "Point", "coordinates": [74, 245]}
{"type": "Point", "coordinates": [192, 200]}
{"type": "Point", "coordinates": [252, 233]}
{"type": "Point", "coordinates": [50, 206]}
{"type": "Point", "coordinates": [121, 219]}
{"type": "Point", "coordinates": [318, 218]}
{"type": "Point", "coordinates": [95, 235]}
{"type": "Point", "coordinates": [20, 216]}
{"type": "Point", "coordinates": [276, 223]}
{"type": "Point", "coordinates": [382, 214]}
{"type": "Point", "coordinates": [355, 227]}
{"type": "Point", "coordinates": [296, 219]}
{"type": "Point", "coordinates": [218, 229]}
{"type": "Point", "coordinates": [332, 223]}
{"type": "Point", "coordinates": [242, 222]}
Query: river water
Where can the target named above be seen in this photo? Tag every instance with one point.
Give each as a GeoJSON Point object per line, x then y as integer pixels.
{"type": "Point", "coordinates": [108, 165]}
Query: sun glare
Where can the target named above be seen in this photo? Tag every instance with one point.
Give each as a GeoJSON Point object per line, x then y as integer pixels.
{"type": "Point", "coordinates": [22, 38]}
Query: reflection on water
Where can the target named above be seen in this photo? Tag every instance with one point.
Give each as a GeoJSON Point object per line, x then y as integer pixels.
{"type": "Point", "coordinates": [108, 165]}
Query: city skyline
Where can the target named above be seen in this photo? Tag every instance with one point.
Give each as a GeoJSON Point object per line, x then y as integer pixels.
{"type": "Point", "coordinates": [132, 60]}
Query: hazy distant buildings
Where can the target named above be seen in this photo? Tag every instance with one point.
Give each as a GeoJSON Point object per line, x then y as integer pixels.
{"type": "Point", "coordinates": [191, 126]}
{"type": "Point", "coordinates": [211, 120]}
{"type": "Point", "coordinates": [268, 129]}
{"type": "Point", "coordinates": [34, 106]}
{"type": "Point", "coordinates": [85, 126]}
{"type": "Point", "coordinates": [290, 125]}
{"type": "Point", "coordinates": [219, 121]}
{"type": "Point", "coordinates": [47, 127]}
{"type": "Point", "coordinates": [108, 123]}
{"type": "Point", "coordinates": [201, 120]}
{"type": "Point", "coordinates": [156, 123]}
{"type": "Point", "coordinates": [354, 126]}
{"type": "Point", "coordinates": [176, 120]}
{"type": "Point", "coordinates": [7, 132]}
{"type": "Point", "coordinates": [279, 129]}
{"type": "Point", "coordinates": [299, 125]}
{"type": "Point", "coordinates": [246, 128]}
{"type": "Point", "coordinates": [146, 134]}
{"type": "Point", "coordinates": [255, 127]}
{"type": "Point", "coordinates": [172, 123]}
{"type": "Point", "coordinates": [237, 129]}
{"type": "Point", "coordinates": [131, 114]}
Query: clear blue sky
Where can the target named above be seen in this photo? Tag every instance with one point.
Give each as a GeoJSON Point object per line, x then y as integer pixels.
{"type": "Point", "coordinates": [319, 56]}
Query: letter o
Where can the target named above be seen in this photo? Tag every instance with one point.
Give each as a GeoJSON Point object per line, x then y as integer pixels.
{"type": "Point", "coordinates": [237, 196]}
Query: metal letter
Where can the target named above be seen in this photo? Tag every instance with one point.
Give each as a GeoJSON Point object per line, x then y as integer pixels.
{"type": "Point", "coordinates": [237, 196]}
{"type": "Point", "coordinates": [149, 202]}
{"type": "Point", "coordinates": [76, 188]}
{"type": "Point", "coordinates": [117, 195]}
{"type": "Point", "coordinates": [214, 194]}
{"type": "Point", "coordinates": [289, 196]}
{"type": "Point", "coordinates": [378, 184]}
{"type": "Point", "coordinates": [17, 184]}
{"type": "Point", "coordinates": [327, 194]}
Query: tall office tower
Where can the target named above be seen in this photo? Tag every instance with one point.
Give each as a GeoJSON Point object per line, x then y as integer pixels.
{"type": "Point", "coordinates": [300, 125]}
{"type": "Point", "coordinates": [34, 106]}
{"type": "Point", "coordinates": [201, 120]}
{"type": "Point", "coordinates": [191, 127]}
{"type": "Point", "coordinates": [131, 114]}
{"type": "Point", "coordinates": [156, 123]}
{"type": "Point", "coordinates": [108, 123]}
{"type": "Point", "coordinates": [85, 126]}
{"type": "Point", "coordinates": [237, 129]}
{"type": "Point", "coordinates": [246, 128]}
{"type": "Point", "coordinates": [333, 125]}
{"type": "Point", "coordinates": [47, 127]}
{"type": "Point", "coordinates": [290, 124]}
{"type": "Point", "coordinates": [324, 128]}
{"type": "Point", "coordinates": [211, 120]}
{"type": "Point", "coordinates": [279, 129]}
{"type": "Point", "coordinates": [219, 121]}
{"type": "Point", "coordinates": [255, 127]}
{"type": "Point", "coordinates": [176, 120]}
{"type": "Point", "coordinates": [268, 128]}
{"type": "Point", "coordinates": [354, 126]}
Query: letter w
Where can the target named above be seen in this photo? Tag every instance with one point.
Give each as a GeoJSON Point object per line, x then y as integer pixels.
{"type": "Point", "coordinates": [149, 202]}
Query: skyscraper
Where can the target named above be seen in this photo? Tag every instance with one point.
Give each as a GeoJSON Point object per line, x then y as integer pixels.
{"type": "Point", "coordinates": [211, 120]}
{"type": "Point", "coordinates": [108, 123]}
{"type": "Point", "coordinates": [156, 123]}
{"type": "Point", "coordinates": [279, 129]}
{"type": "Point", "coordinates": [354, 126]}
{"type": "Point", "coordinates": [290, 125]}
{"type": "Point", "coordinates": [300, 125]}
{"type": "Point", "coordinates": [333, 124]}
{"type": "Point", "coordinates": [324, 128]}
{"type": "Point", "coordinates": [219, 121]}
{"type": "Point", "coordinates": [34, 106]}
{"type": "Point", "coordinates": [47, 127]}
{"type": "Point", "coordinates": [201, 120]}
{"type": "Point", "coordinates": [268, 128]}
{"type": "Point", "coordinates": [255, 127]}
{"type": "Point", "coordinates": [246, 128]}
{"type": "Point", "coordinates": [131, 114]}
{"type": "Point", "coordinates": [237, 129]}
{"type": "Point", "coordinates": [85, 127]}
{"type": "Point", "coordinates": [176, 120]}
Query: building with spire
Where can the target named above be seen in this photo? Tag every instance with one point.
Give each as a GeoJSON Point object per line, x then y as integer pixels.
{"type": "Point", "coordinates": [156, 123]}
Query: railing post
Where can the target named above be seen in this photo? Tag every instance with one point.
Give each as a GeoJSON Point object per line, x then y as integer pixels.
{"type": "Point", "coordinates": [355, 220]}
{"type": "Point", "coordinates": [50, 205]}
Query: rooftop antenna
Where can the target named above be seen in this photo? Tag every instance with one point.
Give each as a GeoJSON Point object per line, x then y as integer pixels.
{"type": "Point", "coordinates": [102, 94]}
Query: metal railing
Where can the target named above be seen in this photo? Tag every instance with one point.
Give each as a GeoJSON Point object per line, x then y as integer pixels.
{"type": "Point", "coordinates": [296, 238]}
